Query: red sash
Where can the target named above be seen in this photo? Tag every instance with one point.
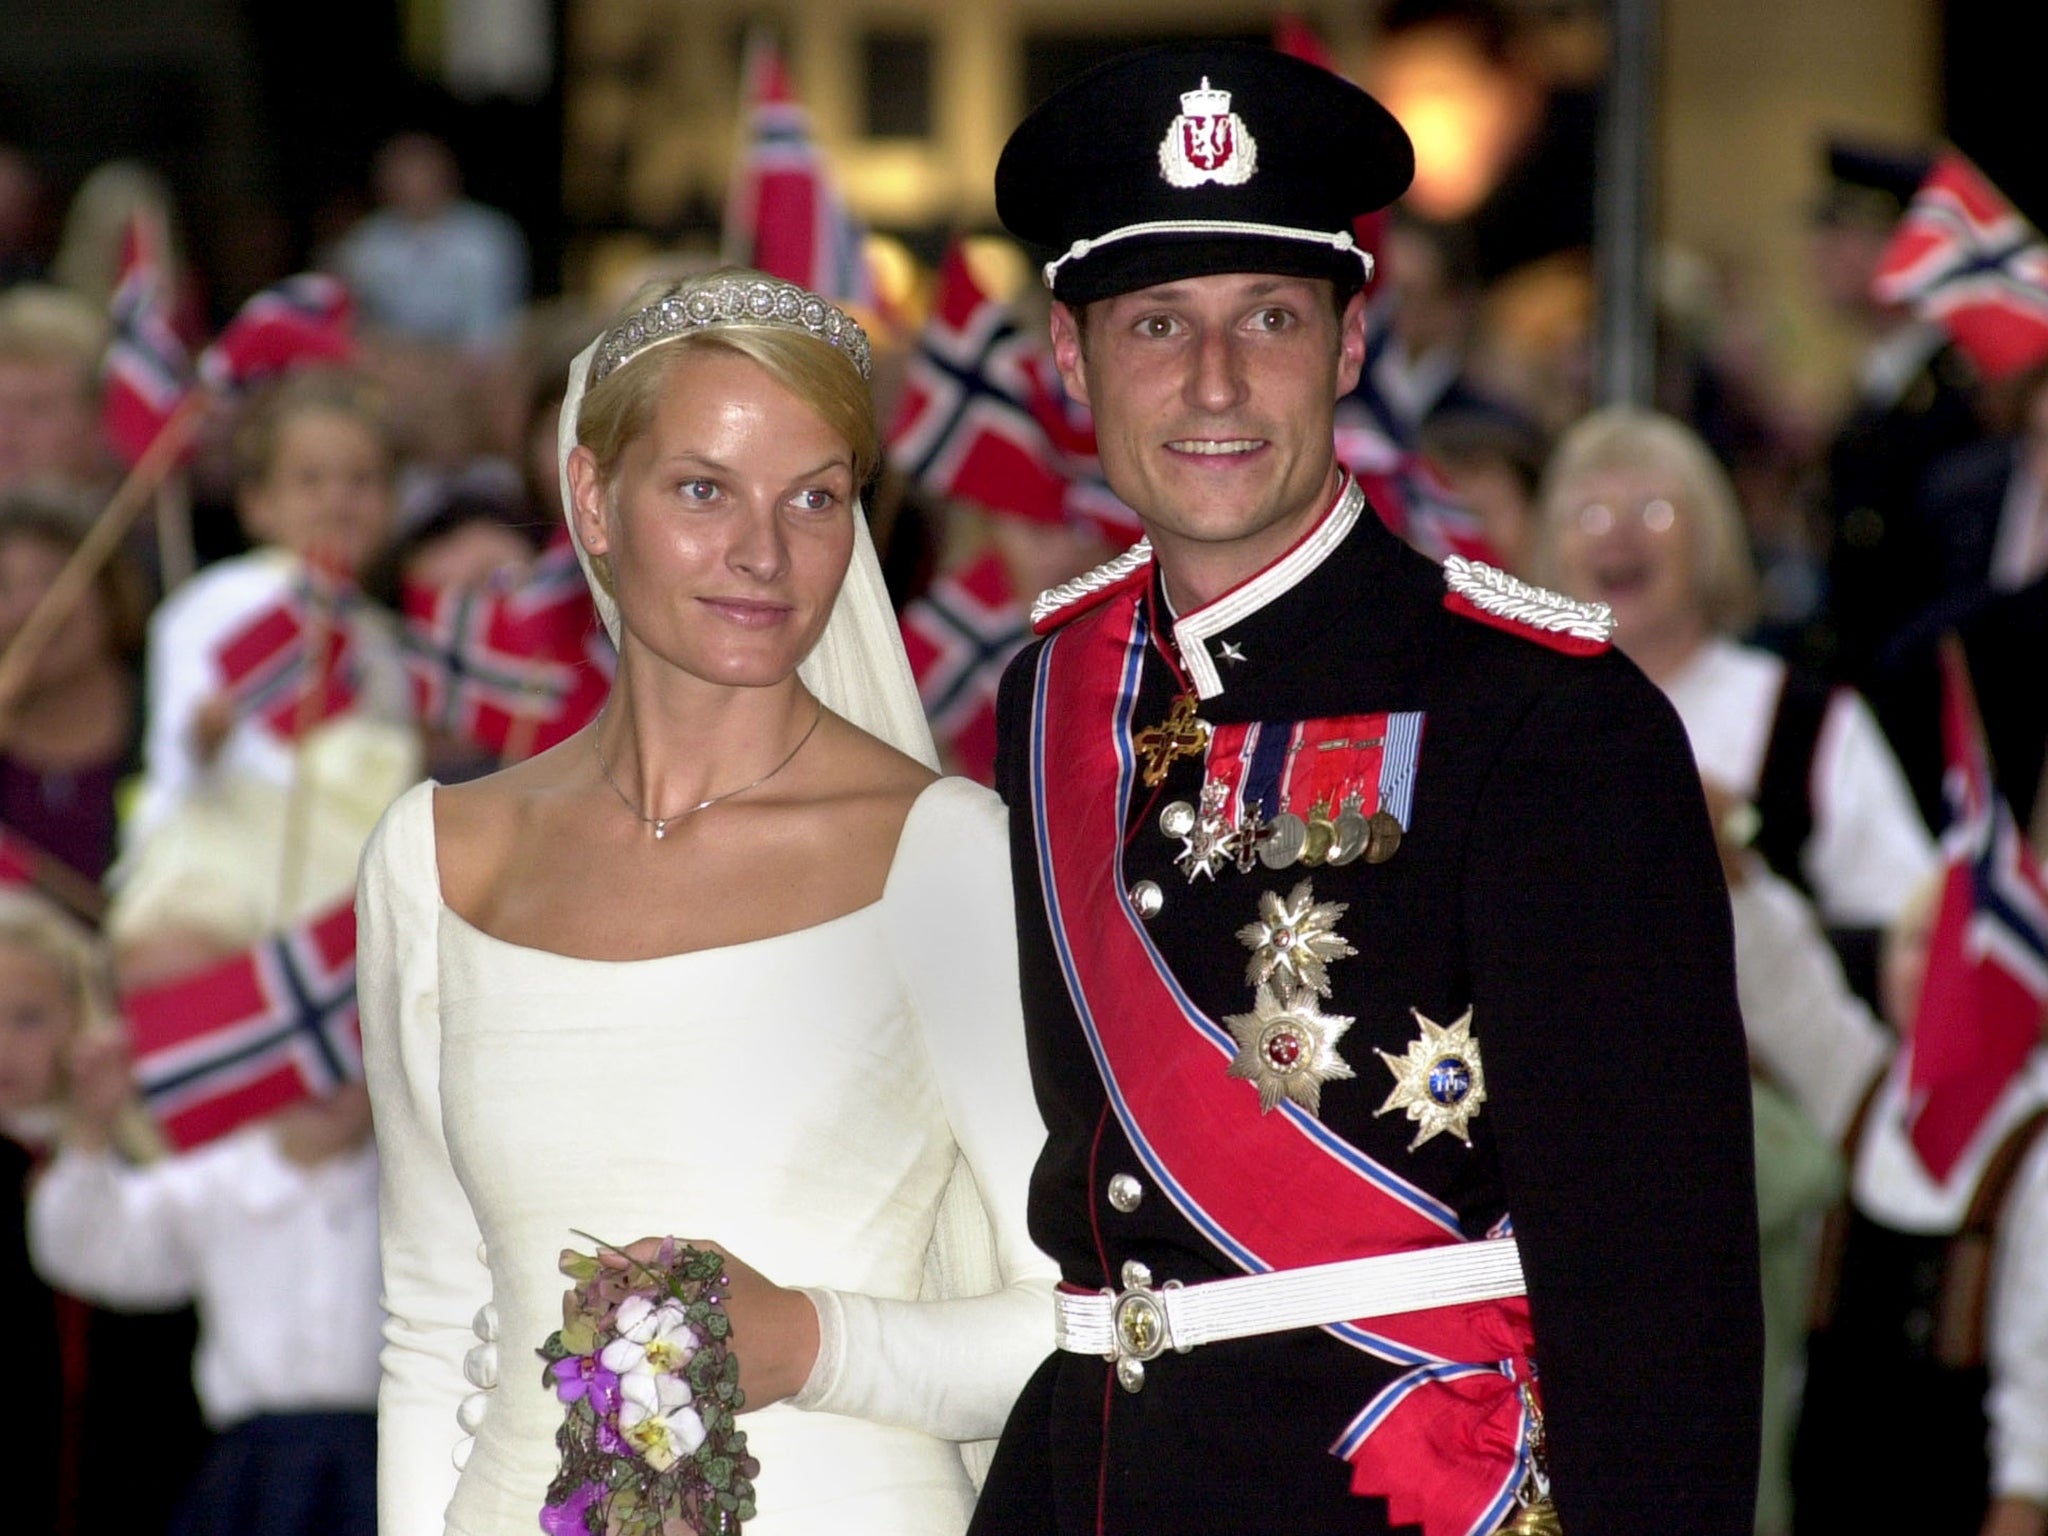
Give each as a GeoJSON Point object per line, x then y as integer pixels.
{"type": "Point", "coordinates": [1446, 1443]}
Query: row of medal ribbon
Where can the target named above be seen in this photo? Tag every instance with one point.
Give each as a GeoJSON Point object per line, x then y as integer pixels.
{"type": "Point", "coordinates": [1295, 792]}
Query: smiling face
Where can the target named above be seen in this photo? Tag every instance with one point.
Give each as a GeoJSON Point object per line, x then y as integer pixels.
{"type": "Point", "coordinates": [1623, 537]}
{"type": "Point", "coordinates": [727, 524]}
{"type": "Point", "coordinates": [1213, 400]}
{"type": "Point", "coordinates": [35, 1016]}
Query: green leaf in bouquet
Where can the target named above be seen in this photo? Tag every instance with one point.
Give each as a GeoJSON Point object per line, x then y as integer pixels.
{"type": "Point", "coordinates": [579, 1337]}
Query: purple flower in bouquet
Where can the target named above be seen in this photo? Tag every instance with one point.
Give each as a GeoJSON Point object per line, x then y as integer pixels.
{"type": "Point", "coordinates": [581, 1376]}
{"type": "Point", "coordinates": [568, 1518]}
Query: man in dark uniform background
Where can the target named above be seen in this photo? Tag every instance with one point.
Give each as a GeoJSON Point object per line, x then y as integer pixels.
{"type": "Point", "coordinates": [1377, 967]}
{"type": "Point", "coordinates": [1913, 404]}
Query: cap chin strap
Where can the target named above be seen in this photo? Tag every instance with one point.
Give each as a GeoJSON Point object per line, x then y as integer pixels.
{"type": "Point", "coordinates": [1340, 241]}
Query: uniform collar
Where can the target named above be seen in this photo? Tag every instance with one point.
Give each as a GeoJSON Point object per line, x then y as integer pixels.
{"type": "Point", "coordinates": [1193, 632]}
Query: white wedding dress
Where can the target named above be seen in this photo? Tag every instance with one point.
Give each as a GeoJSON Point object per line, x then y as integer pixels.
{"type": "Point", "coordinates": [804, 1099]}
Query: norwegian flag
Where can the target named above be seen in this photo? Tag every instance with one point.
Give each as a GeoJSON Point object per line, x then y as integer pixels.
{"type": "Point", "coordinates": [959, 636]}
{"type": "Point", "coordinates": [19, 861]}
{"type": "Point", "coordinates": [307, 319]}
{"type": "Point", "coordinates": [1985, 994]}
{"type": "Point", "coordinates": [784, 217]}
{"type": "Point", "coordinates": [252, 1035]}
{"type": "Point", "coordinates": [147, 371]}
{"type": "Point", "coordinates": [964, 426]}
{"type": "Point", "coordinates": [1409, 496]}
{"type": "Point", "coordinates": [293, 665]}
{"type": "Point", "coordinates": [982, 417]}
{"type": "Point", "coordinates": [1963, 257]}
{"type": "Point", "coordinates": [510, 666]}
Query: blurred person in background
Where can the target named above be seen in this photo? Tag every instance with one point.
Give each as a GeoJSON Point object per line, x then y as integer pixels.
{"type": "Point", "coordinates": [1913, 403]}
{"type": "Point", "coordinates": [88, 1462]}
{"type": "Point", "coordinates": [50, 343]}
{"type": "Point", "coordinates": [1492, 461]}
{"type": "Point", "coordinates": [71, 735]}
{"type": "Point", "coordinates": [1984, 507]}
{"type": "Point", "coordinates": [95, 232]}
{"type": "Point", "coordinates": [1416, 364]}
{"type": "Point", "coordinates": [1637, 514]}
{"type": "Point", "coordinates": [252, 808]}
{"type": "Point", "coordinates": [1926, 1403]}
{"type": "Point", "coordinates": [271, 1231]}
{"type": "Point", "coordinates": [430, 264]}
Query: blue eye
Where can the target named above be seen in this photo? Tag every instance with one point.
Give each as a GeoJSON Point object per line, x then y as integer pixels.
{"type": "Point", "coordinates": [697, 490]}
{"type": "Point", "coordinates": [816, 499]}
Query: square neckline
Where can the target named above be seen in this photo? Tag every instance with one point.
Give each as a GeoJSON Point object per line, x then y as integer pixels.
{"type": "Point", "coordinates": [446, 911]}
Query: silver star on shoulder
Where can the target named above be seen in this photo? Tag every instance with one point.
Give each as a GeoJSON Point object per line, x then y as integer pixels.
{"type": "Point", "coordinates": [1440, 1082]}
{"type": "Point", "coordinates": [1229, 652]}
{"type": "Point", "coordinates": [1288, 1049]}
{"type": "Point", "coordinates": [1294, 941]}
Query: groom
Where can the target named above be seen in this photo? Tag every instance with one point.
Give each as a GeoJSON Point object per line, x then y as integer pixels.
{"type": "Point", "coordinates": [1377, 964]}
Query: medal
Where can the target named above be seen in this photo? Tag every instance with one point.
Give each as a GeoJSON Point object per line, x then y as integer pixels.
{"type": "Point", "coordinates": [1288, 837]}
{"type": "Point", "coordinates": [1294, 941]}
{"type": "Point", "coordinates": [1178, 819]}
{"type": "Point", "coordinates": [1383, 837]}
{"type": "Point", "coordinates": [1180, 735]}
{"type": "Point", "coordinates": [1440, 1082]}
{"type": "Point", "coordinates": [1322, 836]}
{"type": "Point", "coordinates": [1352, 831]}
{"type": "Point", "coordinates": [1207, 843]}
{"type": "Point", "coordinates": [1287, 1049]}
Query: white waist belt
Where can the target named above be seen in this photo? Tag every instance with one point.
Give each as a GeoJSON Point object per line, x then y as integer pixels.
{"type": "Point", "coordinates": [1140, 1323]}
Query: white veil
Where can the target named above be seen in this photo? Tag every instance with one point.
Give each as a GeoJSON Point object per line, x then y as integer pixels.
{"type": "Point", "coordinates": [857, 668]}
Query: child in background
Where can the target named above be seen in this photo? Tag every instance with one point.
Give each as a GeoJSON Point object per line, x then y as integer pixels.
{"type": "Point", "coordinates": [1927, 1391]}
{"type": "Point", "coordinates": [78, 1371]}
{"type": "Point", "coordinates": [272, 1231]}
{"type": "Point", "coordinates": [242, 823]}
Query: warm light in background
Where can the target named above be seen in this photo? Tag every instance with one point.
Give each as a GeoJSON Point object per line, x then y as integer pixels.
{"type": "Point", "coordinates": [1466, 114]}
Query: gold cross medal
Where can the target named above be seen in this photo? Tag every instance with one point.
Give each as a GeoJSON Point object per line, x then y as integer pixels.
{"type": "Point", "coordinates": [1440, 1082]}
{"type": "Point", "coordinates": [1180, 735]}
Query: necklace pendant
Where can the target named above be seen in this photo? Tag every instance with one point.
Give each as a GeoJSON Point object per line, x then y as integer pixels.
{"type": "Point", "coordinates": [660, 830]}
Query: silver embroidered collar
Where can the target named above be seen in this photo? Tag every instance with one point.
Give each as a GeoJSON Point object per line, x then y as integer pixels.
{"type": "Point", "coordinates": [735, 300]}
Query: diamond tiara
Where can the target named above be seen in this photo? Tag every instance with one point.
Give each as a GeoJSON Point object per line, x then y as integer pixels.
{"type": "Point", "coordinates": [731, 301]}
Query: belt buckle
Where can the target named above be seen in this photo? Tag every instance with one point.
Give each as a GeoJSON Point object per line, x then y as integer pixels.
{"type": "Point", "coordinates": [1139, 1328]}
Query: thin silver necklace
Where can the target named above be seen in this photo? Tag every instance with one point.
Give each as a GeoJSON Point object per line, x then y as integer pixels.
{"type": "Point", "coordinates": [661, 823]}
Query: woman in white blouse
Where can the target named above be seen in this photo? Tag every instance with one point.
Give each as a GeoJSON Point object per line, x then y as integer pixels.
{"type": "Point", "coordinates": [1637, 514]}
{"type": "Point", "coordinates": [731, 964]}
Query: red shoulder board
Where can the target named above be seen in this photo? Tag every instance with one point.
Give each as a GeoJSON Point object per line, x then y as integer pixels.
{"type": "Point", "coordinates": [1492, 596]}
{"type": "Point", "coordinates": [1070, 599]}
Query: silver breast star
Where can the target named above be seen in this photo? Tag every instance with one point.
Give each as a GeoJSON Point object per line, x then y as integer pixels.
{"type": "Point", "coordinates": [1229, 652]}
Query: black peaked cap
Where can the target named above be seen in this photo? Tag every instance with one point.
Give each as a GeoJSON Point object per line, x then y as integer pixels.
{"type": "Point", "coordinates": [1306, 150]}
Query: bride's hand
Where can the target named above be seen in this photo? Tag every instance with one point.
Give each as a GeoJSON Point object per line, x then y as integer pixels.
{"type": "Point", "coordinates": [774, 1329]}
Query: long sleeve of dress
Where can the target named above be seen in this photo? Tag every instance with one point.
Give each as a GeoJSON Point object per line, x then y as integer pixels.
{"type": "Point", "coordinates": [111, 1233]}
{"type": "Point", "coordinates": [953, 1368]}
{"type": "Point", "coordinates": [435, 1282]}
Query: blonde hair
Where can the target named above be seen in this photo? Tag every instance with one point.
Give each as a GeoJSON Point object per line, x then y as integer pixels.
{"type": "Point", "coordinates": [819, 374]}
{"type": "Point", "coordinates": [1625, 437]}
{"type": "Point", "coordinates": [88, 259]}
{"type": "Point", "coordinates": [36, 925]}
{"type": "Point", "coordinates": [44, 324]}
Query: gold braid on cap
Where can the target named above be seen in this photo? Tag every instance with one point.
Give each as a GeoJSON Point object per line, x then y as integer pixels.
{"type": "Point", "coordinates": [738, 300]}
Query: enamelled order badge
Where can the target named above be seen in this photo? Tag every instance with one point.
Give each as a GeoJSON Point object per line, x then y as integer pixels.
{"type": "Point", "coordinates": [1307, 792]}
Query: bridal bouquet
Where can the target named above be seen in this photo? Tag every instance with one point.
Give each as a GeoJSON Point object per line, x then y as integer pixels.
{"type": "Point", "coordinates": [649, 1386]}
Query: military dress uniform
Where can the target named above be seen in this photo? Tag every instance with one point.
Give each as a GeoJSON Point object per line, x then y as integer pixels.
{"type": "Point", "coordinates": [1377, 968]}
{"type": "Point", "coordinates": [1556, 878]}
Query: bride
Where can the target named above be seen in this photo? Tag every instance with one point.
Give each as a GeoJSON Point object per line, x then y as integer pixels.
{"type": "Point", "coordinates": [731, 964]}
